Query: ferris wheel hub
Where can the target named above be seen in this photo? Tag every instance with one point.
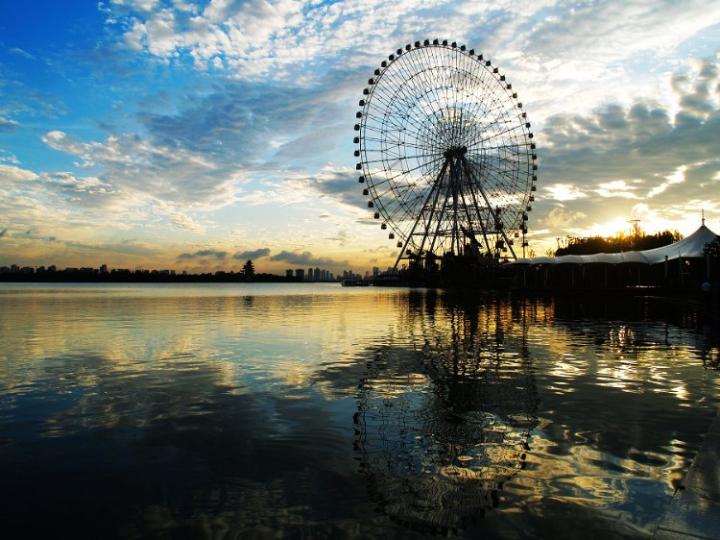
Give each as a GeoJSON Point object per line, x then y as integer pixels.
{"type": "Point", "coordinates": [455, 152]}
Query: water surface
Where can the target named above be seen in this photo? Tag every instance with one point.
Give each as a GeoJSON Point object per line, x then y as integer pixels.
{"type": "Point", "coordinates": [304, 411]}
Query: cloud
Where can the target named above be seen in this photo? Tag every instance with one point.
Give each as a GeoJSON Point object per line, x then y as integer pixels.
{"type": "Point", "coordinates": [252, 254]}
{"type": "Point", "coordinates": [123, 247]}
{"type": "Point", "coordinates": [638, 151]}
{"type": "Point", "coordinates": [10, 173]}
{"type": "Point", "coordinates": [265, 119]}
{"type": "Point", "coordinates": [203, 253]}
{"type": "Point", "coordinates": [3, 232]}
{"type": "Point", "coordinates": [306, 258]}
{"type": "Point", "coordinates": [564, 192]}
{"type": "Point", "coordinates": [617, 188]}
{"type": "Point", "coordinates": [20, 52]}
{"type": "Point", "coordinates": [340, 184]}
{"type": "Point", "coordinates": [6, 124]}
{"type": "Point", "coordinates": [559, 218]}
{"type": "Point", "coordinates": [552, 51]}
{"type": "Point", "coordinates": [141, 5]}
{"type": "Point", "coordinates": [203, 154]}
{"type": "Point", "coordinates": [675, 178]}
{"type": "Point", "coordinates": [168, 173]}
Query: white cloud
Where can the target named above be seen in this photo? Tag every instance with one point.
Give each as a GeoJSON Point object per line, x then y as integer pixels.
{"type": "Point", "coordinates": [615, 129]}
{"type": "Point", "coordinates": [140, 5]}
{"type": "Point", "coordinates": [564, 192]}
{"type": "Point", "coordinates": [616, 188]}
{"type": "Point", "coordinates": [170, 174]}
{"type": "Point", "coordinates": [555, 51]}
{"type": "Point", "coordinates": [10, 173]}
{"type": "Point", "coordinates": [6, 124]}
{"type": "Point", "coordinates": [559, 218]}
{"type": "Point", "coordinates": [675, 178]}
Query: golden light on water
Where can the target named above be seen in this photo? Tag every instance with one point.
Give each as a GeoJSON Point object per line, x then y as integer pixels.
{"type": "Point", "coordinates": [529, 401]}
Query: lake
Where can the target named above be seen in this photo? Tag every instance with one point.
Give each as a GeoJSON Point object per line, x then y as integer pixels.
{"type": "Point", "coordinates": [316, 411]}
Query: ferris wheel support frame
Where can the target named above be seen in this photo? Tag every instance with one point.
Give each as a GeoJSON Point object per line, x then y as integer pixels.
{"type": "Point", "coordinates": [457, 164]}
{"type": "Point", "coordinates": [498, 224]}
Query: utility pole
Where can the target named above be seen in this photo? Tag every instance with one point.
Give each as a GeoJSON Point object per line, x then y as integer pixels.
{"type": "Point", "coordinates": [635, 227]}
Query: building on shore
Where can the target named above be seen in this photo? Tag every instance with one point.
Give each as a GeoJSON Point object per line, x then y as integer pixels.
{"type": "Point", "coordinates": [688, 264]}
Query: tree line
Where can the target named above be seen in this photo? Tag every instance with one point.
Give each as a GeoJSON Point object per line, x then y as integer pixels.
{"type": "Point", "coordinates": [621, 242]}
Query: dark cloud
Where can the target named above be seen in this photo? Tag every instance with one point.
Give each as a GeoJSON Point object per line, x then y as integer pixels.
{"type": "Point", "coordinates": [341, 185]}
{"type": "Point", "coordinates": [210, 253]}
{"type": "Point", "coordinates": [306, 258]}
{"type": "Point", "coordinates": [233, 123]}
{"type": "Point", "coordinates": [642, 145]}
{"type": "Point", "coordinates": [252, 254]}
{"type": "Point", "coordinates": [123, 247]}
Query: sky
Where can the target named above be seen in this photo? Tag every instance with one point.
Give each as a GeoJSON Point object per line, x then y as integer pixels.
{"type": "Point", "coordinates": [196, 135]}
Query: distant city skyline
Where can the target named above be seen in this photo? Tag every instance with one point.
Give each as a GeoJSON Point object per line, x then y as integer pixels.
{"type": "Point", "coordinates": [197, 135]}
{"type": "Point", "coordinates": [298, 274]}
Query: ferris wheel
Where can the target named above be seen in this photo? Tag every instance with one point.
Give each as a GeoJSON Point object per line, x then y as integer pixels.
{"type": "Point", "coordinates": [445, 153]}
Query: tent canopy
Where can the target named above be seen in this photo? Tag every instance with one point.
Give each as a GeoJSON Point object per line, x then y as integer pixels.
{"type": "Point", "coordinates": [689, 247]}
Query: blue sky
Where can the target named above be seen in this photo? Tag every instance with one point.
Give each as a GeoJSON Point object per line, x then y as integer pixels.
{"type": "Point", "coordinates": [169, 133]}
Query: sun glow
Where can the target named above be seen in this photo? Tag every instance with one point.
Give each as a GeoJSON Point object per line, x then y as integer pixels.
{"type": "Point", "coordinates": [612, 227]}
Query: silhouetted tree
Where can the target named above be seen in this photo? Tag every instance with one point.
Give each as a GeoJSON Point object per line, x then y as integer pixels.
{"type": "Point", "coordinates": [637, 241]}
{"type": "Point", "coordinates": [248, 270]}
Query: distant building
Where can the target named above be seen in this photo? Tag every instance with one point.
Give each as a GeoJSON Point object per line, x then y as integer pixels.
{"type": "Point", "coordinates": [103, 269]}
{"type": "Point", "coordinates": [375, 271]}
{"type": "Point", "coordinates": [289, 273]}
{"type": "Point", "coordinates": [300, 274]}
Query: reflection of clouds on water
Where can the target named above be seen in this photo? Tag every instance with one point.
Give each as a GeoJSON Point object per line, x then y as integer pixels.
{"type": "Point", "coordinates": [177, 451]}
{"type": "Point", "coordinates": [443, 424]}
{"type": "Point", "coordinates": [593, 375]}
{"type": "Point", "coordinates": [230, 416]}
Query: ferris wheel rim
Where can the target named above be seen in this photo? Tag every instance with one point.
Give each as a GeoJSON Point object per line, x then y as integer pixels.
{"type": "Point", "coordinates": [490, 160]}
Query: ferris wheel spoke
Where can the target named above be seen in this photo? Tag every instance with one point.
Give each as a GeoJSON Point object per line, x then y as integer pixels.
{"type": "Point", "coordinates": [391, 102]}
{"type": "Point", "coordinates": [412, 199]}
{"type": "Point", "coordinates": [400, 145]}
{"type": "Point", "coordinates": [403, 173]}
{"type": "Point", "coordinates": [509, 130]}
{"type": "Point", "coordinates": [500, 171]}
{"type": "Point", "coordinates": [506, 146]}
{"type": "Point", "coordinates": [395, 119]}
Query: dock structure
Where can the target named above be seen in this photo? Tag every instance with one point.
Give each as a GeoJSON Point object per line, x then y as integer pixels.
{"type": "Point", "coordinates": [694, 512]}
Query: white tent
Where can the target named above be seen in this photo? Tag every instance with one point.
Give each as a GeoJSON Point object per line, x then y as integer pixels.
{"type": "Point", "coordinates": [689, 247]}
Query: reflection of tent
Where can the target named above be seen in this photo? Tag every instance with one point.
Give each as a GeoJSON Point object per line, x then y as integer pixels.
{"type": "Point", "coordinates": [687, 248]}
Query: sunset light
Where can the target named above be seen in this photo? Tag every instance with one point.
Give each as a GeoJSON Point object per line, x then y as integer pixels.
{"type": "Point", "coordinates": [360, 269]}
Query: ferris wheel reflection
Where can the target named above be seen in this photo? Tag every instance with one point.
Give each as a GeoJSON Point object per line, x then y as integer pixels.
{"type": "Point", "coordinates": [444, 422]}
